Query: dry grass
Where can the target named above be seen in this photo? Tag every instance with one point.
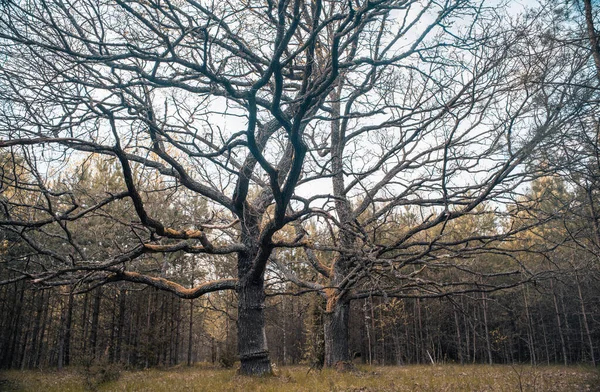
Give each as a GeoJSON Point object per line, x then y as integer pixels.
{"type": "Point", "coordinates": [410, 378]}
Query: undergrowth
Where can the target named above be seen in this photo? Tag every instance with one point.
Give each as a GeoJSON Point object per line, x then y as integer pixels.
{"type": "Point", "coordinates": [453, 378]}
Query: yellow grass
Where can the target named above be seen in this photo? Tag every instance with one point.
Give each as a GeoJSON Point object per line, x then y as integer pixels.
{"type": "Point", "coordinates": [453, 378]}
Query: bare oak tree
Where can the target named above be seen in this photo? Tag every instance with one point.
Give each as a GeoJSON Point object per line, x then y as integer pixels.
{"type": "Point", "coordinates": [216, 99]}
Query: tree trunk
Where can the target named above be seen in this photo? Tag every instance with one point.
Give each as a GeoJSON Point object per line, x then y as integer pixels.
{"type": "Point", "coordinates": [285, 316]}
{"type": "Point", "coordinates": [338, 309]}
{"type": "Point", "coordinates": [252, 340]}
{"type": "Point", "coordinates": [336, 333]}
{"type": "Point", "coordinates": [559, 324]}
{"type": "Point", "coordinates": [459, 343]}
{"type": "Point", "coordinates": [397, 346]}
{"type": "Point", "coordinates": [95, 319]}
{"type": "Point", "coordinates": [40, 349]}
{"type": "Point", "coordinates": [61, 335]}
{"type": "Point", "coordinates": [84, 325]}
{"type": "Point", "coordinates": [368, 333]}
{"type": "Point", "coordinates": [421, 345]}
{"type": "Point", "coordinates": [68, 326]}
{"type": "Point", "coordinates": [177, 333]}
{"type": "Point", "coordinates": [120, 324]}
{"type": "Point", "coordinates": [36, 329]}
{"type": "Point", "coordinates": [488, 345]}
{"type": "Point", "coordinates": [190, 334]}
{"type": "Point", "coordinates": [15, 328]}
{"type": "Point", "coordinates": [530, 338]}
{"type": "Point", "coordinates": [585, 321]}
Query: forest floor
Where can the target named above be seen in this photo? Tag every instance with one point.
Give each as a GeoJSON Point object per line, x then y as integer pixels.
{"type": "Point", "coordinates": [453, 378]}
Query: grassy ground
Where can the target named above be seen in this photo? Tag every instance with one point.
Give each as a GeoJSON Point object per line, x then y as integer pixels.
{"type": "Point", "coordinates": [366, 379]}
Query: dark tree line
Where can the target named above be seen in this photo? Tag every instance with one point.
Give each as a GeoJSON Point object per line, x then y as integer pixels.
{"type": "Point", "coordinates": [541, 324]}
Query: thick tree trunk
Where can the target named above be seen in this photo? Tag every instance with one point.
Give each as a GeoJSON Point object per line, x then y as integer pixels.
{"type": "Point", "coordinates": [336, 333]}
{"type": "Point", "coordinates": [252, 340]}
{"type": "Point", "coordinates": [338, 309]}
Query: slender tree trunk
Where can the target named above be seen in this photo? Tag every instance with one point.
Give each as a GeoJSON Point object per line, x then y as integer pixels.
{"type": "Point", "coordinates": [467, 334]}
{"type": "Point", "coordinates": [544, 335]}
{"type": "Point", "coordinates": [36, 330]}
{"type": "Point", "coordinates": [474, 328]}
{"type": "Point", "coordinates": [147, 345]}
{"type": "Point", "coordinates": [559, 324]}
{"type": "Point", "coordinates": [585, 320]}
{"type": "Point", "coordinates": [487, 332]}
{"type": "Point", "coordinates": [40, 349]}
{"type": "Point", "coordinates": [373, 331]}
{"type": "Point", "coordinates": [16, 328]}
{"type": "Point", "coordinates": [382, 335]}
{"type": "Point", "coordinates": [459, 343]}
{"type": "Point", "coordinates": [68, 326]}
{"type": "Point", "coordinates": [397, 346]}
{"type": "Point", "coordinates": [177, 333]}
{"type": "Point", "coordinates": [421, 349]}
{"type": "Point", "coordinates": [7, 306]}
{"type": "Point", "coordinates": [8, 347]}
{"type": "Point", "coordinates": [190, 334]}
{"type": "Point", "coordinates": [368, 332]}
{"type": "Point", "coordinates": [530, 339]}
{"type": "Point", "coordinates": [95, 319]}
{"type": "Point", "coordinates": [84, 324]}
{"type": "Point", "coordinates": [61, 335]}
{"type": "Point", "coordinates": [163, 330]}
{"type": "Point", "coordinates": [407, 341]}
{"type": "Point", "coordinates": [285, 316]}
{"type": "Point", "coordinates": [567, 326]}
{"type": "Point", "coordinates": [113, 332]}
{"type": "Point", "coordinates": [23, 354]}
{"type": "Point", "coordinates": [120, 324]}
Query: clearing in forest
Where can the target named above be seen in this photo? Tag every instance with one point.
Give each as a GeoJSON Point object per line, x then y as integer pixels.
{"type": "Point", "coordinates": [366, 379]}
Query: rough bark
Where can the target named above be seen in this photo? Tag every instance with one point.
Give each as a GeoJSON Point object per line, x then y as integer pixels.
{"type": "Point", "coordinates": [338, 308]}
{"type": "Point", "coordinates": [252, 340]}
{"type": "Point", "coordinates": [336, 334]}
